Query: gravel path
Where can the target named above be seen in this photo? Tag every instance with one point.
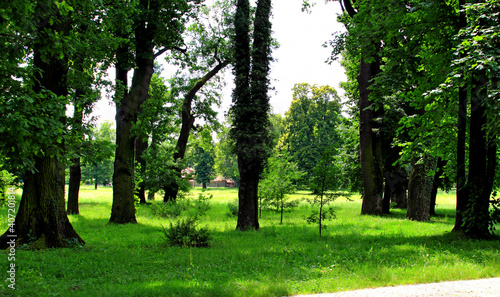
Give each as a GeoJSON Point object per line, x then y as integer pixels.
{"type": "Point", "coordinates": [471, 288]}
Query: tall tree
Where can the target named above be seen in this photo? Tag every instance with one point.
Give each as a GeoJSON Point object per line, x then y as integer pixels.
{"type": "Point", "coordinates": [41, 220]}
{"type": "Point", "coordinates": [156, 28]}
{"type": "Point", "coordinates": [251, 105]}
{"type": "Point", "coordinates": [369, 129]}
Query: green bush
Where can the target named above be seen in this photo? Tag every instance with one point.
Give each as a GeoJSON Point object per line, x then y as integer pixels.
{"type": "Point", "coordinates": [184, 233]}
{"type": "Point", "coordinates": [232, 209]}
{"type": "Point", "coordinates": [170, 209]}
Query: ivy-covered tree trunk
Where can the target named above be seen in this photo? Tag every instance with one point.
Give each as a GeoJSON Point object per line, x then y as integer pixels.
{"type": "Point", "coordinates": [251, 105]}
{"type": "Point", "coordinates": [41, 221]}
{"type": "Point", "coordinates": [370, 144]}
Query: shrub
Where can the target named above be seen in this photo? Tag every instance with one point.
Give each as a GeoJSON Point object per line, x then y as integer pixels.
{"type": "Point", "coordinates": [185, 233]}
{"type": "Point", "coordinates": [170, 209]}
{"type": "Point", "coordinates": [232, 209]}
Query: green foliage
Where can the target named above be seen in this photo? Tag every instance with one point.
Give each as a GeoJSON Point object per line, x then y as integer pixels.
{"type": "Point", "coordinates": [226, 163]}
{"type": "Point", "coordinates": [171, 209]}
{"type": "Point", "coordinates": [184, 233]}
{"type": "Point", "coordinates": [278, 181]}
{"type": "Point", "coordinates": [6, 180]}
{"type": "Point", "coordinates": [204, 158]}
{"type": "Point", "coordinates": [326, 214]}
{"type": "Point", "coordinates": [311, 125]}
{"type": "Point", "coordinates": [232, 209]}
{"type": "Point", "coordinates": [192, 208]}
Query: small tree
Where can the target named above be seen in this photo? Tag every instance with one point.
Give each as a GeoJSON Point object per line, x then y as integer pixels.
{"type": "Point", "coordinates": [324, 179]}
{"type": "Point", "coordinates": [279, 180]}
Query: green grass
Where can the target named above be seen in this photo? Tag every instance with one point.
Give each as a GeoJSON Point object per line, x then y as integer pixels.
{"type": "Point", "coordinates": [281, 259]}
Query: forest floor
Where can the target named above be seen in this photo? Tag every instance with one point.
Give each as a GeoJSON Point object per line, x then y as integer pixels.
{"type": "Point", "coordinates": [489, 287]}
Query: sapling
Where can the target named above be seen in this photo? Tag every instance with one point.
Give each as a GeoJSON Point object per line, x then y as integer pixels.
{"type": "Point", "coordinates": [323, 181]}
{"type": "Point", "coordinates": [279, 181]}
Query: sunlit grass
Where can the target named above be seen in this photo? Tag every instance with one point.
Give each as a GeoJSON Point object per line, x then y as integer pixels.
{"type": "Point", "coordinates": [280, 259]}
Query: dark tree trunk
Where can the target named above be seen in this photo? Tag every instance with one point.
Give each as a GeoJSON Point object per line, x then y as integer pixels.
{"type": "Point", "coordinates": [419, 189]}
{"type": "Point", "coordinates": [370, 145]}
{"type": "Point", "coordinates": [75, 171]}
{"type": "Point", "coordinates": [75, 177]}
{"type": "Point", "coordinates": [123, 209]}
{"type": "Point", "coordinates": [41, 221]}
{"type": "Point", "coordinates": [476, 215]}
{"type": "Point", "coordinates": [248, 204]}
{"type": "Point", "coordinates": [140, 146]}
{"type": "Point", "coordinates": [151, 195]}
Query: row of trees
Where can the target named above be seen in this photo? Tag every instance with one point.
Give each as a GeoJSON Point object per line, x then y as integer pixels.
{"type": "Point", "coordinates": [423, 79]}
{"type": "Point", "coordinates": [56, 55]}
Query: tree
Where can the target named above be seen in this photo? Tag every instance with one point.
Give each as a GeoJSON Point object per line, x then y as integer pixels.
{"type": "Point", "coordinates": [41, 220]}
{"type": "Point", "coordinates": [156, 28]}
{"type": "Point", "coordinates": [251, 105]}
{"type": "Point", "coordinates": [324, 180]}
{"type": "Point", "coordinates": [278, 181]}
{"type": "Point", "coordinates": [310, 125]}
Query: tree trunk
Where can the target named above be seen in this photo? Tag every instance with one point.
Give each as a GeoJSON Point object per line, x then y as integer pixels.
{"type": "Point", "coordinates": [436, 184]}
{"type": "Point", "coordinates": [419, 189]}
{"type": "Point", "coordinates": [123, 209]}
{"type": "Point", "coordinates": [248, 204]}
{"type": "Point", "coordinates": [75, 171]}
{"type": "Point", "coordinates": [476, 216]}
{"type": "Point", "coordinates": [370, 145]}
{"type": "Point", "coordinates": [151, 195]}
{"type": "Point", "coordinates": [75, 178]}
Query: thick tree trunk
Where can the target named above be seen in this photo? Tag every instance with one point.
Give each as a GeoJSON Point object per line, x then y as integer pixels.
{"type": "Point", "coordinates": [476, 216]}
{"type": "Point", "coordinates": [419, 190]}
{"type": "Point", "coordinates": [370, 145]}
{"type": "Point", "coordinates": [248, 202]}
{"type": "Point", "coordinates": [41, 221]}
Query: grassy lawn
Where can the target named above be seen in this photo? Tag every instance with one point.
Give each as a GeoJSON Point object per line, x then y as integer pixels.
{"type": "Point", "coordinates": [281, 259]}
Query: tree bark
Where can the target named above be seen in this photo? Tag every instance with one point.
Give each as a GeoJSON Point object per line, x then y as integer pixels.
{"type": "Point", "coordinates": [247, 202]}
{"type": "Point", "coordinates": [75, 171]}
{"type": "Point", "coordinates": [370, 145]}
{"type": "Point", "coordinates": [476, 216]}
{"type": "Point", "coordinates": [419, 189]}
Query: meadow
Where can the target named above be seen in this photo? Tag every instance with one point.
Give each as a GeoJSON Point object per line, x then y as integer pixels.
{"type": "Point", "coordinates": [278, 260]}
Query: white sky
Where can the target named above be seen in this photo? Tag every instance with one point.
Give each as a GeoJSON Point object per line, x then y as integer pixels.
{"type": "Point", "coordinates": [300, 58]}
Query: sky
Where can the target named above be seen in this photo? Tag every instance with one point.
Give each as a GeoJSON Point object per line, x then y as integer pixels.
{"type": "Point", "coordinates": [299, 59]}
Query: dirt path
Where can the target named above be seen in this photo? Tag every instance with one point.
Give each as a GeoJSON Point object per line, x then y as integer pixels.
{"type": "Point", "coordinates": [471, 288]}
